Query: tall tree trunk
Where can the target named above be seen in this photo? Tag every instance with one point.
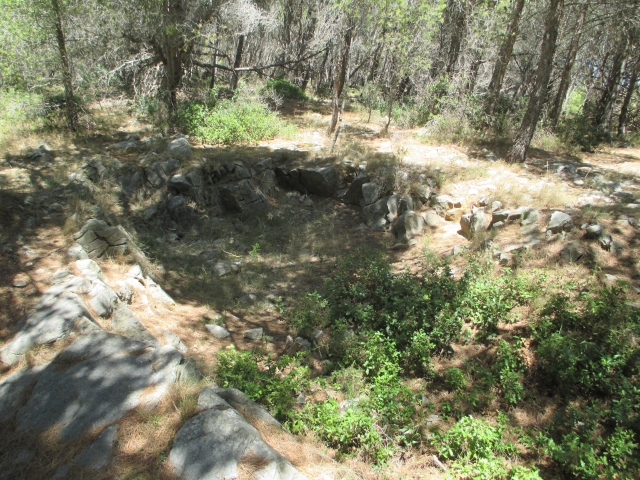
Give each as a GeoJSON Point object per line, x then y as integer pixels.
{"type": "Point", "coordinates": [236, 63]}
{"type": "Point", "coordinates": [565, 78]}
{"type": "Point", "coordinates": [458, 22]}
{"type": "Point", "coordinates": [67, 76]}
{"type": "Point", "coordinates": [338, 83]}
{"type": "Point", "coordinates": [604, 107]}
{"type": "Point", "coordinates": [215, 59]}
{"type": "Point", "coordinates": [518, 151]}
{"type": "Point", "coordinates": [633, 79]}
{"type": "Point", "coordinates": [504, 57]}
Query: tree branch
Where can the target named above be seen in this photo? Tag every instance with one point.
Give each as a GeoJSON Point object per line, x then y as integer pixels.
{"type": "Point", "coordinates": [210, 66]}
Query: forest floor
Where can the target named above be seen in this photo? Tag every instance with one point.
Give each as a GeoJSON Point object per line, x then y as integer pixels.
{"type": "Point", "coordinates": [294, 254]}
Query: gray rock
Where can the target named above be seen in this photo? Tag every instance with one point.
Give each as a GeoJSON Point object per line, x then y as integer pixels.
{"type": "Point", "coordinates": [14, 390]}
{"type": "Point", "coordinates": [125, 293]}
{"type": "Point", "coordinates": [98, 455]}
{"type": "Point", "coordinates": [210, 445]}
{"type": "Point", "coordinates": [530, 217]}
{"type": "Point", "coordinates": [423, 193]}
{"type": "Point", "coordinates": [572, 251]}
{"type": "Point", "coordinates": [500, 216]}
{"type": "Point", "coordinates": [217, 331]}
{"type": "Point", "coordinates": [97, 380]}
{"type": "Point", "coordinates": [157, 293]}
{"type": "Point", "coordinates": [474, 222]}
{"type": "Point", "coordinates": [609, 279]}
{"type": "Point", "coordinates": [60, 276]}
{"type": "Point", "coordinates": [103, 299]}
{"type": "Point", "coordinates": [495, 206]}
{"type": "Point", "coordinates": [175, 203]}
{"type": "Point", "coordinates": [559, 222]}
{"type": "Point", "coordinates": [404, 205]}
{"type": "Point", "coordinates": [408, 225]}
{"type": "Point", "coordinates": [174, 340]}
{"type": "Point", "coordinates": [505, 258]}
{"type": "Point", "coordinates": [518, 214]}
{"type": "Point", "coordinates": [379, 214]}
{"type": "Point", "coordinates": [126, 323]}
{"type": "Point", "coordinates": [354, 195]}
{"type": "Point", "coordinates": [188, 371]}
{"type": "Point", "coordinates": [323, 181]}
{"type": "Point", "coordinates": [254, 334]}
{"type": "Point", "coordinates": [431, 219]}
{"type": "Point", "coordinates": [156, 174]}
{"type": "Point", "coordinates": [179, 148]}
{"type": "Point", "coordinates": [593, 231]}
{"type": "Point", "coordinates": [58, 312]}
{"type": "Point", "coordinates": [242, 196]}
{"type": "Point", "coordinates": [445, 202]}
{"type": "Point", "coordinates": [223, 267]}
{"type": "Point", "coordinates": [77, 252]}
{"type": "Point", "coordinates": [98, 238]}
{"type": "Point", "coordinates": [263, 165]}
{"type": "Point", "coordinates": [180, 184]}
{"type": "Point", "coordinates": [457, 250]}
{"type": "Point", "coordinates": [299, 344]}
{"type": "Point", "coordinates": [371, 193]}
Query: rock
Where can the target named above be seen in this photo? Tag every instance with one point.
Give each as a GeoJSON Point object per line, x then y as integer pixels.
{"type": "Point", "coordinates": [530, 217]}
{"type": "Point", "coordinates": [126, 323]}
{"type": "Point", "coordinates": [253, 334]}
{"type": "Point", "coordinates": [354, 192]}
{"type": "Point", "coordinates": [431, 219]}
{"type": "Point", "coordinates": [98, 455]}
{"type": "Point", "coordinates": [379, 214]}
{"type": "Point", "coordinates": [125, 293]}
{"type": "Point", "coordinates": [88, 266]}
{"type": "Point", "coordinates": [323, 181]}
{"type": "Point", "coordinates": [473, 222]}
{"type": "Point", "coordinates": [457, 250]}
{"type": "Point", "coordinates": [408, 225]}
{"type": "Point", "coordinates": [103, 298]}
{"type": "Point", "coordinates": [609, 279]}
{"type": "Point", "coordinates": [242, 196]}
{"type": "Point", "coordinates": [157, 293]}
{"type": "Point", "coordinates": [41, 154]}
{"type": "Point", "coordinates": [210, 445]}
{"type": "Point", "coordinates": [175, 203]}
{"type": "Point", "coordinates": [174, 340]}
{"type": "Point", "coordinates": [179, 148]}
{"type": "Point", "coordinates": [560, 221]}
{"type": "Point", "coordinates": [58, 312]}
{"type": "Point", "coordinates": [572, 251]}
{"type": "Point", "coordinates": [445, 202]}
{"type": "Point", "coordinates": [217, 331]}
{"type": "Point", "coordinates": [423, 193]}
{"type": "Point", "coordinates": [77, 252]}
{"type": "Point", "coordinates": [505, 258]}
{"type": "Point", "coordinates": [60, 276]}
{"type": "Point", "coordinates": [95, 381]}
{"type": "Point", "coordinates": [453, 215]}
{"type": "Point", "coordinates": [371, 193]}
{"type": "Point", "coordinates": [15, 388]}
{"type": "Point", "coordinates": [188, 371]}
{"type": "Point", "coordinates": [405, 204]}
{"type": "Point", "coordinates": [495, 206]}
{"type": "Point", "coordinates": [498, 224]}
{"type": "Point", "coordinates": [180, 184]}
{"type": "Point", "coordinates": [98, 238]}
{"type": "Point", "coordinates": [223, 267]}
{"type": "Point", "coordinates": [299, 344]}
{"type": "Point", "coordinates": [156, 174]}
{"type": "Point", "coordinates": [20, 283]}
{"type": "Point", "coordinates": [500, 216]}
{"type": "Point", "coordinates": [593, 231]}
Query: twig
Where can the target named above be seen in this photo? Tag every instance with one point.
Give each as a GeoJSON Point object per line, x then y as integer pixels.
{"type": "Point", "coordinates": [439, 464]}
{"type": "Point", "coordinates": [229, 253]}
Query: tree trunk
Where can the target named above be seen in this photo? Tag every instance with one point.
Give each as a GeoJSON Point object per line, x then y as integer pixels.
{"type": "Point", "coordinates": [67, 77]}
{"type": "Point", "coordinates": [215, 60]}
{"type": "Point", "coordinates": [236, 63]}
{"type": "Point", "coordinates": [604, 108]}
{"type": "Point", "coordinates": [458, 22]}
{"type": "Point", "coordinates": [565, 78]}
{"type": "Point", "coordinates": [633, 79]}
{"type": "Point", "coordinates": [338, 83]}
{"type": "Point", "coordinates": [518, 151]}
{"type": "Point", "coordinates": [504, 57]}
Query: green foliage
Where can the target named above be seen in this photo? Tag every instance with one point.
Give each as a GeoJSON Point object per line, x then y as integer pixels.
{"type": "Point", "coordinates": [456, 379]}
{"type": "Point", "coordinates": [286, 89]}
{"type": "Point", "coordinates": [510, 367]}
{"type": "Point", "coordinates": [578, 130]}
{"type": "Point", "coordinates": [230, 121]}
{"type": "Point", "coordinates": [242, 370]}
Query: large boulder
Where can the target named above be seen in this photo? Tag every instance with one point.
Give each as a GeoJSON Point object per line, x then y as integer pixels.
{"type": "Point", "coordinates": [559, 222]}
{"type": "Point", "coordinates": [354, 194]}
{"type": "Point", "coordinates": [179, 148]}
{"type": "Point", "coordinates": [322, 181]}
{"type": "Point", "coordinates": [212, 444]}
{"type": "Point", "coordinates": [380, 214]}
{"type": "Point", "coordinates": [371, 192]}
{"type": "Point", "coordinates": [58, 312]}
{"type": "Point", "coordinates": [408, 225]}
{"type": "Point", "coordinates": [95, 382]}
{"type": "Point", "coordinates": [474, 222]}
{"type": "Point", "coordinates": [99, 238]}
{"type": "Point", "coordinates": [15, 388]}
{"type": "Point", "coordinates": [242, 196]}
{"type": "Point", "coordinates": [125, 322]}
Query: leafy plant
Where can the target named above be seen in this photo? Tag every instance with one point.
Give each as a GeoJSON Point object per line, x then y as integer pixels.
{"type": "Point", "coordinates": [285, 88]}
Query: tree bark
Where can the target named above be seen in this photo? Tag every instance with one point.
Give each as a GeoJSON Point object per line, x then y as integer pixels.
{"type": "Point", "coordinates": [67, 76]}
{"type": "Point", "coordinates": [518, 151]}
{"type": "Point", "coordinates": [458, 21]}
{"type": "Point", "coordinates": [338, 83]}
{"type": "Point", "coordinates": [504, 57]}
{"type": "Point", "coordinates": [624, 110]}
{"type": "Point", "coordinates": [604, 107]}
{"type": "Point", "coordinates": [236, 63]}
{"type": "Point", "coordinates": [212, 84]}
{"type": "Point", "coordinates": [565, 78]}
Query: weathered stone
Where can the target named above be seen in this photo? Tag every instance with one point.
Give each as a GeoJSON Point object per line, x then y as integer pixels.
{"type": "Point", "coordinates": [98, 238]}
{"type": "Point", "coordinates": [408, 225]}
{"type": "Point", "coordinates": [77, 252]}
{"type": "Point", "coordinates": [404, 205]}
{"type": "Point", "coordinates": [500, 216]}
{"type": "Point", "coordinates": [453, 215]}
{"type": "Point", "coordinates": [126, 323]}
{"type": "Point", "coordinates": [179, 148]}
{"type": "Point", "coordinates": [156, 174]}
{"type": "Point", "coordinates": [56, 314]}
{"type": "Point", "coordinates": [323, 181]}
{"type": "Point", "coordinates": [354, 194]}
{"type": "Point", "coordinates": [444, 202]}
{"type": "Point", "coordinates": [242, 196]}
{"type": "Point", "coordinates": [95, 381]}
{"type": "Point", "coordinates": [175, 341]}
{"type": "Point", "coordinates": [254, 334]}
{"type": "Point", "coordinates": [217, 331]}
{"type": "Point", "coordinates": [495, 206]}
{"type": "Point", "coordinates": [473, 222]}
{"type": "Point", "coordinates": [530, 217]}
{"type": "Point", "coordinates": [423, 193]}
{"type": "Point", "coordinates": [223, 267]}
{"type": "Point", "coordinates": [14, 390]}
{"type": "Point", "coordinates": [379, 214]}
{"type": "Point", "coordinates": [210, 445]}
{"type": "Point", "coordinates": [157, 293]}
{"type": "Point", "coordinates": [175, 203]}
{"type": "Point", "coordinates": [98, 455]}
{"type": "Point", "coordinates": [560, 221]}
{"type": "Point", "coordinates": [572, 251]}
{"type": "Point", "coordinates": [180, 184]}
{"type": "Point", "coordinates": [371, 193]}
{"type": "Point", "coordinates": [593, 231]}
{"type": "Point", "coordinates": [431, 219]}
{"type": "Point", "coordinates": [299, 344]}
{"type": "Point", "coordinates": [103, 299]}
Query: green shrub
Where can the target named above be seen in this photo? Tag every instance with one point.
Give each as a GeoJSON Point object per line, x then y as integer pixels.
{"type": "Point", "coordinates": [455, 378]}
{"type": "Point", "coordinates": [230, 121]}
{"type": "Point", "coordinates": [285, 88]}
{"type": "Point", "coordinates": [578, 130]}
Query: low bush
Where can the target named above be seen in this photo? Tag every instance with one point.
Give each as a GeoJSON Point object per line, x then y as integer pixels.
{"type": "Point", "coordinates": [285, 88]}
